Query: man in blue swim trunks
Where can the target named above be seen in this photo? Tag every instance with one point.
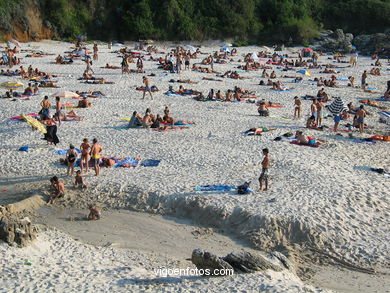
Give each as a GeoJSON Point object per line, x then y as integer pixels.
{"type": "Point", "coordinates": [361, 114]}
{"type": "Point", "coordinates": [148, 88]}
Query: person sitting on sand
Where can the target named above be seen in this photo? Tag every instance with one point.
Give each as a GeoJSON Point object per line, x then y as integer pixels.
{"type": "Point", "coordinates": [29, 90]}
{"type": "Point", "coordinates": [311, 122]}
{"type": "Point", "coordinates": [95, 213]}
{"type": "Point", "coordinates": [59, 189]}
{"type": "Point", "coordinates": [79, 183]}
{"type": "Point", "coordinates": [262, 109]}
{"type": "Point", "coordinates": [84, 103]}
{"type": "Point", "coordinates": [135, 120]}
{"type": "Point", "coordinates": [303, 139]}
{"type": "Point", "coordinates": [272, 75]}
{"type": "Point", "coordinates": [351, 81]}
{"type": "Point", "coordinates": [147, 120]}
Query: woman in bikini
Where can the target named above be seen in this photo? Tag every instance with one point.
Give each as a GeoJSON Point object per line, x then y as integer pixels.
{"type": "Point", "coordinates": [84, 147]}
{"type": "Point", "coordinates": [71, 158]}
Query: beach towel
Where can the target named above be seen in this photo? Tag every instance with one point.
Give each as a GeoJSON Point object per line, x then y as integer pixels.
{"type": "Point", "coordinates": [297, 143]}
{"type": "Point", "coordinates": [24, 148]}
{"type": "Point", "coordinates": [21, 117]}
{"type": "Point", "coordinates": [363, 141]}
{"type": "Point", "coordinates": [277, 117]}
{"type": "Point", "coordinates": [127, 163]}
{"type": "Point", "coordinates": [214, 188]}
{"type": "Point", "coordinates": [286, 90]}
{"type": "Point", "coordinates": [150, 163]}
{"type": "Point", "coordinates": [63, 152]}
{"type": "Point", "coordinates": [342, 79]}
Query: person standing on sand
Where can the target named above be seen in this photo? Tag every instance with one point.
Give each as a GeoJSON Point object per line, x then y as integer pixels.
{"type": "Point", "coordinates": [264, 170]}
{"type": "Point", "coordinates": [71, 158]}
{"type": "Point", "coordinates": [313, 109]}
{"type": "Point", "coordinates": [95, 52]}
{"type": "Point", "coordinates": [146, 82]}
{"type": "Point", "coordinates": [84, 147]}
{"type": "Point", "coordinates": [319, 106]}
{"type": "Point", "coordinates": [89, 63]}
{"type": "Point", "coordinates": [46, 105]}
{"type": "Point", "coordinates": [95, 153]}
{"type": "Point", "coordinates": [364, 78]}
{"type": "Point", "coordinates": [297, 107]}
{"type": "Point", "coordinates": [361, 114]}
{"type": "Point", "coordinates": [58, 113]}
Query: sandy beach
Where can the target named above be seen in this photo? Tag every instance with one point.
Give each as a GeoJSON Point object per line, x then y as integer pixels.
{"type": "Point", "coordinates": [324, 205]}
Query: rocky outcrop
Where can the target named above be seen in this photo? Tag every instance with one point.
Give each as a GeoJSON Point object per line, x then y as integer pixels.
{"type": "Point", "coordinates": [246, 262]}
{"type": "Point", "coordinates": [209, 262]}
{"type": "Point", "coordinates": [24, 22]}
{"type": "Point", "coordinates": [16, 231]}
{"type": "Point", "coordinates": [369, 44]}
{"type": "Point", "coordinates": [242, 261]}
{"type": "Point", "coordinates": [334, 41]}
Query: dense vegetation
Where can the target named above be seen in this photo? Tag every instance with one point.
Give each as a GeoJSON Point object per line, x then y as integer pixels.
{"type": "Point", "coordinates": [273, 20]}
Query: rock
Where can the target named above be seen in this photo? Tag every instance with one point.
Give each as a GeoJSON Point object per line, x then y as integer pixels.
{"type": "Point", "coordinates": [369, 44]}
{"type": "Point", "coordinates": [248, 263]}
{"type": "Point", "coordinates": [283, 260]}
{"type": "Point", "coordinates": [207, 261]}
{"type": "Point", "coordinates": [334, 41]}
{"type": "Point", "coordinates": [16, 231]}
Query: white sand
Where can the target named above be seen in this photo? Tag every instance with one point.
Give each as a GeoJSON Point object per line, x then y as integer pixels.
{"type": "Point", "coordinates": [327, 193]}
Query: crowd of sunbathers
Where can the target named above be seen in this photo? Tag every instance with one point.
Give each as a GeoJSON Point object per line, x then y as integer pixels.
{"type": "Point", "coordinates": [150, 120]}
{"type": "Point", "coordinates": [237, 94]}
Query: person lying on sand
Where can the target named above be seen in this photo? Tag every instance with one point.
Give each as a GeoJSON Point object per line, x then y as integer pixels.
{"type": "Point", "coordinates": [70, 116]}
{"type": "Point", "coordinates": [59, 189]}
{"type": "Point", "coordinates": [95, 213]}
{"type": "Point", "coordinates": [307, 140]}
{"type": "Point", "coordinates": [110, 66]}
{"type": "Point", "coordinates": [99, 81]}
{"type": "Point", "coordinates": [79, 183]}
{"type": "Point", "coordinates": [48, 84]}
{"type": "Point", "coordinates": [84, 103]}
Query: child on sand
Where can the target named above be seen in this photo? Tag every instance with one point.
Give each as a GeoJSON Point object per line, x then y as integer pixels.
{"type": "Point", "coordinates": [94, 213]}
{"type": "Point", "coordinates": [59, 189]}
{"type": "Point", "coordinates": [79, 183]}
{"type": "Point", "coordinates": [264, 170]}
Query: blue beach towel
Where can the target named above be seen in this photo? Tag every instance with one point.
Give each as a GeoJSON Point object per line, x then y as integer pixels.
{"type": "Point", "coordinates": [363, 141]}
{"type": "Point", "coordinates": [24, 148]}
{"type": "Point", "coordinates": [127, 162]}
{"type": "Point", "coordinates": [150, 163]}
{"type": "Point", "coordinates": [63, 152]}
{"type": "Point", "coordinates": [214, 188]}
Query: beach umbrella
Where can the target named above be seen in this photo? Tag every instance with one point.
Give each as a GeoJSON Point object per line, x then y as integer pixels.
{"type": "Point", "coordinates": [304, 72]}
{"type": "Point", "coordinates": [191, 48]}
{"type": "Point", "coordinates": [11, 85]}
{"type": "Point", "coordinates": [65, 94]}
{"type": "Point", "coordinates": [337, 106]}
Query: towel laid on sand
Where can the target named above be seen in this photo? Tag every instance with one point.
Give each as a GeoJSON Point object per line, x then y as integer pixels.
{"type": "Point", "coordinates": [127, 163]}
{"type": "Point", "coordinates": [214, 188]}
{"type": "Point", "coordinates": [150, 163]}
{"type": "Point", "coordinates": [63, 152]}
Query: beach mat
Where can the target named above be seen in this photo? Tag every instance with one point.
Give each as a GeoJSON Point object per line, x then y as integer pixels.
{"type": "Point", "coordinates": [214, 188]}
{"type": "Point", "coordinates": [127, 163]}
{"type": "Point", "coordinates": [150, 163]}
